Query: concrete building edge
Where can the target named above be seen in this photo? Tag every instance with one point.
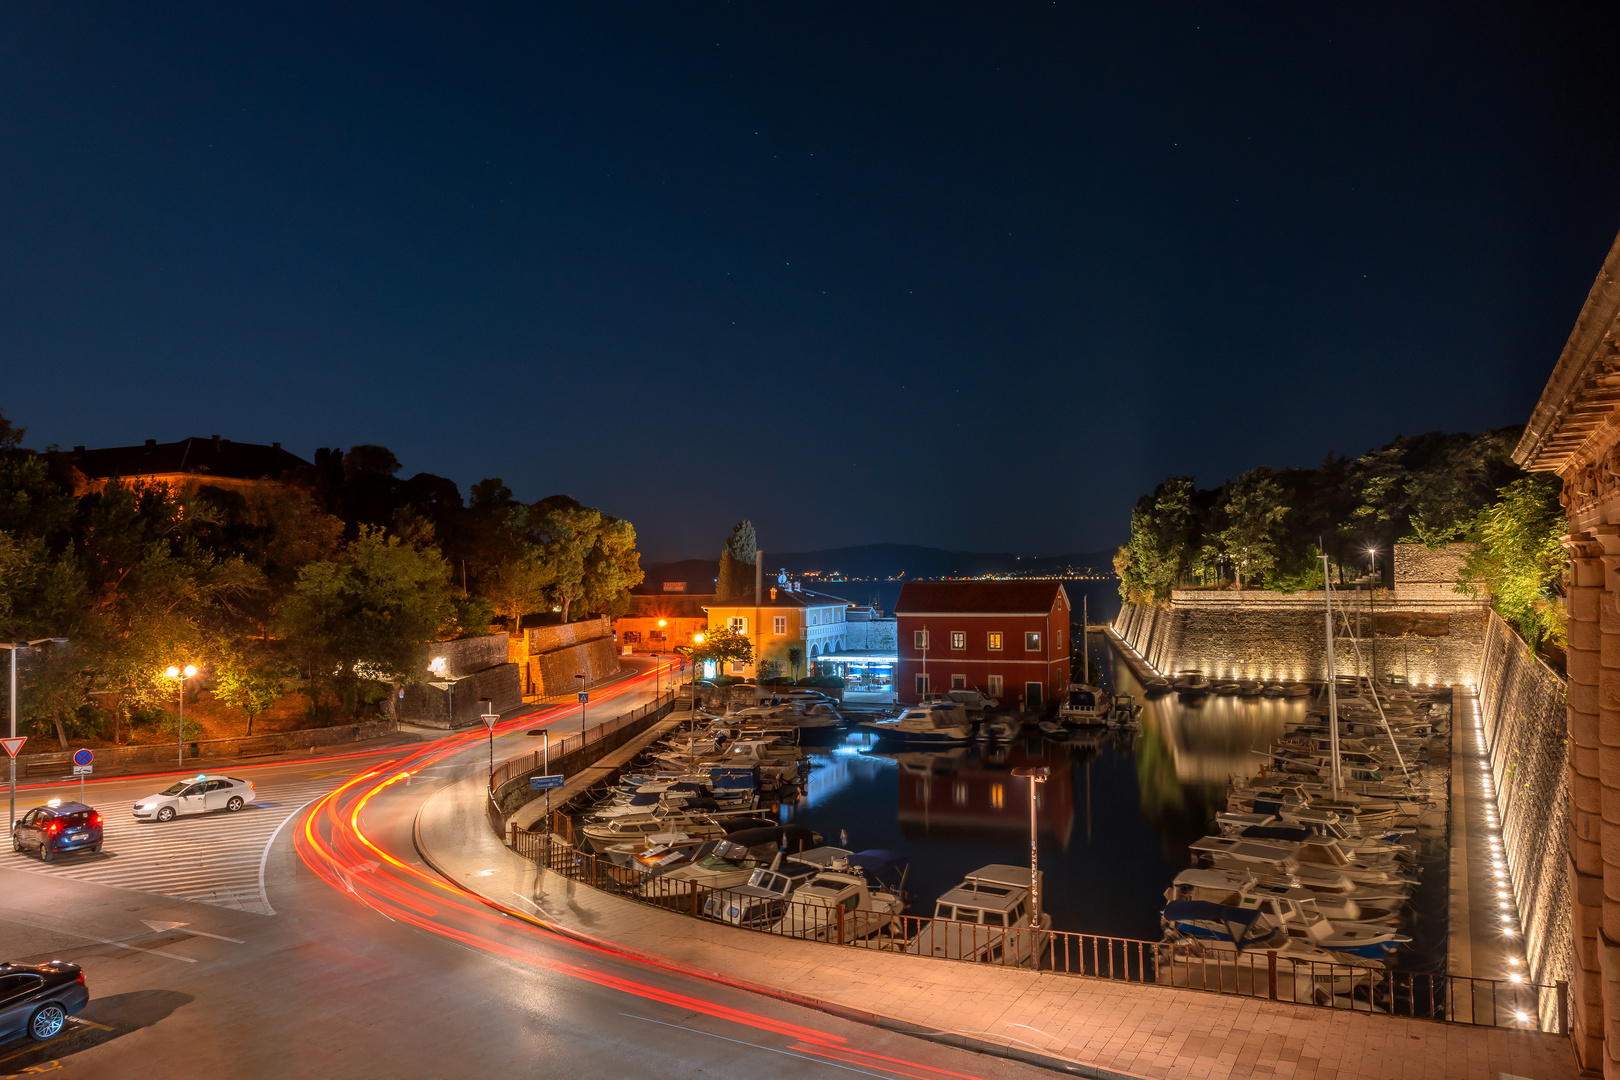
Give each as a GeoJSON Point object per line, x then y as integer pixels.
{"type": "Point", "coordinates": [860, 1016]}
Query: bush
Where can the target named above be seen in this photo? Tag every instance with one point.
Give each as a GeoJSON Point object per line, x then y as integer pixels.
{"type": "Point", "coordinates": [830, 682]}
{"type": "Point", "coordinates": [808, 680]}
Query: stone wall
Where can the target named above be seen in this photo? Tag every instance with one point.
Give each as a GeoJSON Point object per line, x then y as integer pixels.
{"type": "Point", "coordinates": [429, 704]}
{"type": "Point", "coordinates": [545, 639]}
{"type": "Point", "coordinates": [463, 656]}
{"type": "Point", "coordinates": [1522, 702]}
{"type": "Point", "coordinates": [875, 634]}
{"type": "Point", "coordinates": [117, 759]}
{"type": "Point", "coordinates": [1255, 634]}
{"type": "Point", "coordinates": [553, 672]}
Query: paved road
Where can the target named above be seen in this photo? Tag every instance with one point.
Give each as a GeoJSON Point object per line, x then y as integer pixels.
{"type": "Point", "coordinates": [373, 966]}
{"type": "Point", "coordinates": [214, 858]}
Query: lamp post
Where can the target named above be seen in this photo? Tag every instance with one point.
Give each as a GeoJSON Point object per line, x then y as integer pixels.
{"type": "Point", "coordinates": [180, 728]}
{"type": "Point", "coordinates": [663, 639]}
{"type": "Point", "coordinates": [545, 766]}
{"type": "Point", "coordinates": [1036, 776]}
{"type": "Point", "coordinates": [1372, 615]}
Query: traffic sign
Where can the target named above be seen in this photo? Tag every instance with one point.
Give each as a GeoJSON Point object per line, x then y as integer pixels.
{"type": "Point", "coordinates": [13, 745]}
{"type": "Point", "coordinates": [83, 770]}
{"type": "Point", "coordinates": [489, 720]}
{"type": "Point", "coordinates": [584, 698]}
{"type": "Point", "coordinates": [83, 757]}
{"type": "Point", "coordinates": [544, 783]}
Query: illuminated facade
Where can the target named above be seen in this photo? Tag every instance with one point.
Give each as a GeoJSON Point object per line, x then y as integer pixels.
{"type": "Point", "coordinates": [1007, 639]}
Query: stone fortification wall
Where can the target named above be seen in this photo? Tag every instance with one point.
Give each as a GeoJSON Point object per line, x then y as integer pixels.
{"type": "Point", "coordinates": [545, 639]}
{"type": "Point", "coordinates": [430, 705]}
{"type": "Point", "coordinates": [463, 656]}
{"type": "Point", "coordinates": [1265, 635]}
{"type": "Point", "coordinates": [876, 634]}
{"type": "Point", "coordinates": [554, 672]}
{"type": "Point", "coordinates": [1522, 703]}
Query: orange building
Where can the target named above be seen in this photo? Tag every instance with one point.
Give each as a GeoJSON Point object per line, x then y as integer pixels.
{"type": "Point", "coordinates": [659, 622]}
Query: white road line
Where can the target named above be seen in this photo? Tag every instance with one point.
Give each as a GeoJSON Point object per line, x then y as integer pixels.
{"type": "Point", "coordinates": [264, 858]}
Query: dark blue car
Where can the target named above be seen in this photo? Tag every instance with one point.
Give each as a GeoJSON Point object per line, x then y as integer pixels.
{"type": "Point", "coordinates": [37, 999]}
{"type": "Point", "coordinates": [57, 827]}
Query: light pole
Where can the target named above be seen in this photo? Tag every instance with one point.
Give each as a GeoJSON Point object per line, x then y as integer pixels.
{"type": "Point", "coordinates": [663, 639]}
{"type": "Point", "coordinates": [545, 766]}
{"type": "Point", "coordinates": [488, 716]}
{"type": "Point", "coordinates": [1036, 776]}
{"type": "Point", "coordinates": [11, 717]}
{"type": "Point", "coordinates": [180, 728]}
{"type": "Point", "coordinates": [1372, 615]}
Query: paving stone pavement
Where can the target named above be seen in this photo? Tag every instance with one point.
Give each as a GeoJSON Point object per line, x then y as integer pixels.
{"type": "Point", "coordinates": [1106, 1028]}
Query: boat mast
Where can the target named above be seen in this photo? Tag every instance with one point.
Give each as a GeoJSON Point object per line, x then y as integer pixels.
{"type": "Point", "coordinates": [1085, 636]}
{"type": "Point", "coordinates": [1332, 677]}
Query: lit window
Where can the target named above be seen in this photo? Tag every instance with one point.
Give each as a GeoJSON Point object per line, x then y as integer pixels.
{"type": "Point", "coordinates": [919, 639]}
{"type": "Point", "coordinates": [779, 624]}
{"type": "Point", "coordinates": [998, 796]}
{"type": "Point", "coordinates": [739, 624]}
{"type": "Point", "coordinates": [958, 639]}
{"type": "Point", "coordinates": [993, 639]}
{"type": "Point", "coordinates": [1032, 641]}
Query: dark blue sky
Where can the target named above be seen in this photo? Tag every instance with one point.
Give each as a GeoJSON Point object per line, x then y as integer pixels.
{"type": "Point", "coordinates": [969, 276]}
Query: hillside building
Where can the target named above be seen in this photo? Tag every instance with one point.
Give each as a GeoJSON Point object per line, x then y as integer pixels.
{"type": "Point", "coordinates": [217, 462]}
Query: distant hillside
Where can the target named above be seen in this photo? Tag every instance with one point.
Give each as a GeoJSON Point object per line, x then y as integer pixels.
{"type": "Point", "coordinates": [879, 561]}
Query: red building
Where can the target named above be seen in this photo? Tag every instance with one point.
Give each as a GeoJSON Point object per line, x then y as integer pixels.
{"type": "Point", "coordinates": [1006, 639]}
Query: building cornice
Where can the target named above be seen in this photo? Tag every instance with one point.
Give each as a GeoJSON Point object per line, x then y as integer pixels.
{"type": "Point", "coordinates": [1579, 410]}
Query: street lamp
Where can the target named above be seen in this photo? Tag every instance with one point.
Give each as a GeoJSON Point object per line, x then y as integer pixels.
{"type": "Point", "coordinates": [1036, 776]}
{"type": "Point", "coordinates": [663, 639]}
{"type": "Point", "coordinates": [180, 728]}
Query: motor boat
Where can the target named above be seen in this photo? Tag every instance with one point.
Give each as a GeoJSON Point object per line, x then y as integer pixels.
{"type": "Point", "coordinates": [1157, 686]}
{"type": "Point", "coordinates": [940, 722]}
{"type": "Point", "coordinates": [979, 919]}
{"type": "Point", "coordinates": [1191, 685]}
{"type": "Point", "coordinates": [1083, 703]}
{"type": "Point", "coordinates": [1000, 728]}
{"type": "Point", "coordinates": [839, 903]}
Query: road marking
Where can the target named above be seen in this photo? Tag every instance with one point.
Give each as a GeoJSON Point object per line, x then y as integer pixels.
{"type": "Point", "coordinates": [160, 927]}
{"type": "Point", "coordinates": [264, 894]}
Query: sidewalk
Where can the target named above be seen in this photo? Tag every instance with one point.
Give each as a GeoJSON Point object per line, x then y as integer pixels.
{"type": "Point", "coordinates": [1093, 1027]}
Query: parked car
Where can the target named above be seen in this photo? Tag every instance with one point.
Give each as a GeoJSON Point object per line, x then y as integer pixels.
{"type": "Point", "coordinates": [57, 827]}
{"type": "Point", "coordinates": [37, 999]}
{"type": "Point", "coordinates": [197, 795]}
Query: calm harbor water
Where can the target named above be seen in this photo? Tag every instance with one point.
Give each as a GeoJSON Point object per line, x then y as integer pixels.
{"type": "Point", "coordinates": [1114, 820]}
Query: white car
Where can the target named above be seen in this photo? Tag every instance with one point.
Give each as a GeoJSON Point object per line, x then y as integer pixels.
{"type": "Point", "coordinates": [197, 795]}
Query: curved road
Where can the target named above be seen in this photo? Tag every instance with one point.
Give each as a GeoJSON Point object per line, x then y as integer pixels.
{"type": "Point", "coordinates": [374, 966]}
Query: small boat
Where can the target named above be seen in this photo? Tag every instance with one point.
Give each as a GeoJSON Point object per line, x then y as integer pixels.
{"type": "Point", "coordinates": [980, 919]}
{"type": "Point", "coordinates": [941, 722]}
{"type": "Point", "coordinates": [1296, 690]}
{"type": "Point", "coordinates": [1127, 713]}
{"type": "Point", "coordinates": [1191, 685]}
{"type": "Point", "coordinates": [1228, 689]}
{"type": "Point", "coordinates": [1273, 690]}
{"type": "Point", "coordinates": [1000, 728]}
{"type": "Point", "coordinates": [1250, 689]}
{"type": "Point", "coordinates": [838, 903]}
{"type": "Point", "coordinates": [1052, 729]}
{"type": "Point", "coordinates": [1157, 687]}
{"type": "Point", "coordinates": [1083, 703]}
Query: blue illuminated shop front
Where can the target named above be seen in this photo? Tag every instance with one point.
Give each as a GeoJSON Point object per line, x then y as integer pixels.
{"type": "Point", "coordinates": [862, 669]}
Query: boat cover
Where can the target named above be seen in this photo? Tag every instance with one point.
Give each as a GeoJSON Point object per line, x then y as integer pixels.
{"type": "Point", "coordinates": [1275, 832]}
{"type": "Point", "coordinates": [878, 861]}
{"type": "Point", "coordinates": [1238, 922]}
{"type": "Point", "coordinates": [790, 838]}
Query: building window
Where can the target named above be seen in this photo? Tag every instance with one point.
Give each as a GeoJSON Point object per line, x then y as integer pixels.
{"type": "Point", "coordinates": [958, 682]}
{"type": "Point", "coordinates": [1032, 641]}
{"type": "Point", "coordinates": [959, 793]}
{"type": "Point", "coordinates": [1057, 640]}
{"type": "Point", "coordinates": [998, 797]}
{"type": "Point", "coordinates": [779, 624]}
{"type": "Point", "coordinates": [922, 685]}
{"type": "Point", "coordinates": [995, 686]}
{"type": "Point", "coordinates": [630, 637]}
{"type": "Point", "coordinates": [919, 639]}
{"type": "Point", "coordinates": [739, 624]}
{"type": "Point", "coordinates": [958, 639]}
{"type": "Point", "coordinates": [655, 635]}
{"type": "Point", "coordinates": [993, 639]}
{"type": "Point", "coordinates": [738, 667]}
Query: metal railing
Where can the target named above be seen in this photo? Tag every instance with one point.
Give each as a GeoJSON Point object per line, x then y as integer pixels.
{"type": "Point", "coordinates": [1264, 974]}
{"type": "Point", "coordinates": [563, 745]}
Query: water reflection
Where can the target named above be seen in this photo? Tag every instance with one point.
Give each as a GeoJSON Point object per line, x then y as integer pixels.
{"type": "Point", "coordinates": [1114, 820]}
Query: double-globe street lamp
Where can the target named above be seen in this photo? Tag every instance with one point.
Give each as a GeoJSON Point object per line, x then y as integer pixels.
{"type": "Point", "coordinates": [180, 729]}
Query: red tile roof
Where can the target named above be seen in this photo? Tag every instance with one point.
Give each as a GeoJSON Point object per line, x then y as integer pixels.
{"type": "Point", "coordinates": [978, 597]}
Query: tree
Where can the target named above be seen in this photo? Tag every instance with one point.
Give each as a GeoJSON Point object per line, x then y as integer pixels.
{"type": "Point", "coordinates": [737, 559]}
{"type": "Point", "coordinates": [795, 656]}
{"type": "Point", "coordinates": [1163, 537]}
{"type": "Point", "coordinates": [1519, 560]}
{"type": "Point", "coordinates": [358, 624]}
{"type": "Point", "coordinates": [1254, 513]}
{"type": "Point", "coordinates": [247, 683]}
{"type": "Point", "coordinates": [570, 532]}
{"type": "Point", "coordinates": [612, 569]}
{"type": "Point", "coordinates": [518, 584]}
{"type": "Point", "coordinates": [10, 435]}
{"type": "Point", "coordinates": [723, 646]}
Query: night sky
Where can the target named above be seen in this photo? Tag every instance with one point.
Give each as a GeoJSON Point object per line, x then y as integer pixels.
{"type": "Point", "coordinates": [970, 276]}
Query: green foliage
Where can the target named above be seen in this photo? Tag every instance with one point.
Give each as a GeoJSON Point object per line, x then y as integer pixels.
{"type": "Point", "coordinates": [795, 655]}
{"type": "Point", "coordinates": [612, 568]}
{"type": "Point", "coordinates": [1519, 561]}
{"type": "Point", "coordinates": [1254, 512]}
{"type": "Point", "coordinates": [723, 646]}
{"type": "Point", "coordinates": [1164, 533]}
{"type": "Point", "coordinates": [250, 683]}
{"type": "Point", "coordinates": [166, 727]}
{"type": "Point", "coordinates": [737, 559]}
{"type": "Point", "coordinates": [769, 671]}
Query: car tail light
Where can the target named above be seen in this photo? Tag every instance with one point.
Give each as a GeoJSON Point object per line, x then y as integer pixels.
{"type": "Point", "coordinates": [95, 819]}
{"type": "Point", "coordinates": [55, 825]}
{"type": "Point", "coordinates": [80, 978]}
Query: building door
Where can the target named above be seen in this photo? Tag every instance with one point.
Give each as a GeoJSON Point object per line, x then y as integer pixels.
{"type": "Point", "coordinates": [958, 682]}
{"type": "Point", "coordinates": [922, 685]}
{"type": "Point", "coordinates": [995, 686]}
{"type": "Point", "coordinates": [1032, 695]}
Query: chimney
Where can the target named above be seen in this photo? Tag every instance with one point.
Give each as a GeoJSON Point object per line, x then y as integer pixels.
{"type": "Point", "coordinates": [275, 446]}
{"type": "Point", "coordinates": [216, 444]}
{"type": "Point", "coordinates": [150, 443]}
{"type": "Point", "coordinates": [773, 594]}
{"type": "Point", "coordinates": [78, 451]}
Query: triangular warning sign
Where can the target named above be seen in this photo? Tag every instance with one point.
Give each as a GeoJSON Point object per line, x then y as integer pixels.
{"type": "Point", "coordinates": [13, 745]}
{"type": "Point", "coordinates": [162, 926]}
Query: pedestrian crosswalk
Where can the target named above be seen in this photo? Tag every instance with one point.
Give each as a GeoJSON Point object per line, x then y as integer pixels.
{"type": "Point", "coordinates": [215, 858]}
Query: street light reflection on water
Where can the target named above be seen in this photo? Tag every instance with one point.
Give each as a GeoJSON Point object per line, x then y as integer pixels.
{"type": "Point", "coordinates": [1115, 818]}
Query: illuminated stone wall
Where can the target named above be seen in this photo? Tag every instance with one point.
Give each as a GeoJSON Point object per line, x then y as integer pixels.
{"type": "Point", "coordinates": [1276, 636]}
{"type": "Point", "coordinates": [1523, 705]}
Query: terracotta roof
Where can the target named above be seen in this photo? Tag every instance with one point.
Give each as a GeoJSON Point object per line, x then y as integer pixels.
{"type": "Point", "coordinates": [785, 598]}
{"type": "Point", "coordinates": [204, 457]}
{"type": "Point", "coordinates": [667, 606]}
{"type": "Point", "coordinates": [975, 597]}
